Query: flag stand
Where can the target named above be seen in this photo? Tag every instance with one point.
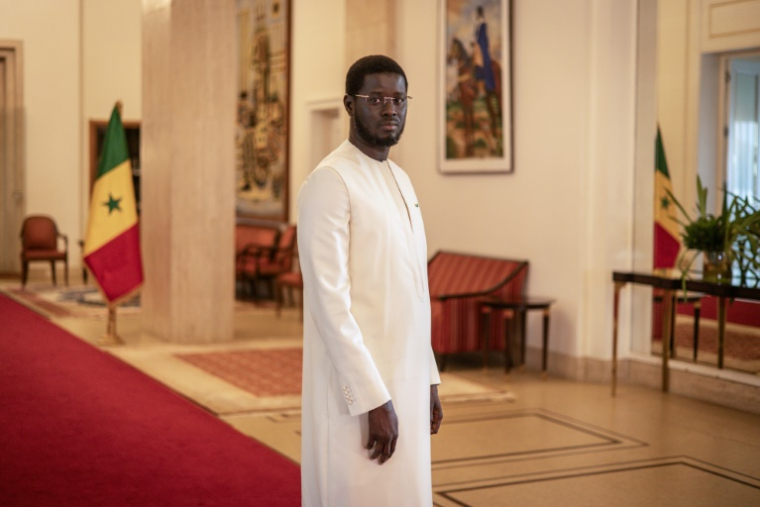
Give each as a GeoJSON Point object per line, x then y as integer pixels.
{"type": "Point", "coordinates": [111, 338]}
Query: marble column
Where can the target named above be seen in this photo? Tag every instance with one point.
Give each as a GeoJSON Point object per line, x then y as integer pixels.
{"type": "Point", "coordinates": [187, 169]}
{"type": "Point", "coordinates": [370, 29]}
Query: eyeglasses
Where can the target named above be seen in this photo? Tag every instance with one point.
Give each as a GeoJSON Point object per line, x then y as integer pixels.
{"type": "Point", "coordinates": [379, 102]}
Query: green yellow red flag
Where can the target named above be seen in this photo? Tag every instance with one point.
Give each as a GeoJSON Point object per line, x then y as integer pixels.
{"type": "Point", "coordinates": [666, 243]}
{"type": "Point", "coordinates": [112, 242]}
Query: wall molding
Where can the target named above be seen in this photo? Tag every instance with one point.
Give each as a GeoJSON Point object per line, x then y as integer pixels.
{"type": "Point", "coordinates": [722, 387]}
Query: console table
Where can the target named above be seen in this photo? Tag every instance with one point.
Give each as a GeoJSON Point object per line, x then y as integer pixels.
{"type": "Point", "coordinates": [670, 286]}
{"type": "Point", "coordinates": [520, 306]}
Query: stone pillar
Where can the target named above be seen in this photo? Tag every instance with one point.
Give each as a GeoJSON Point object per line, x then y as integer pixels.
{"type": "Point", "coordinates": [370, 29]}
{"type": "Point", "coordinates": [187, 181]}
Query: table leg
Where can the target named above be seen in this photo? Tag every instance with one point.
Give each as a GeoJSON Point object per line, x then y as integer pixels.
{"type": "Point", "coordinates": [672, 349]}
{"type": "Point", "coordinates": [721, 330]}
{"type": "Point", "coordinates": [523, 344]}
{"type": "Point", "coordinates": [486, 321]}
{"type": "Point", "coordinates": [616, 303]}
{"type": "Point", "coordinates": [697, 311]}
{"type": "Point", "coordinates": [667, 327]}
{"type": "Point", "coordinates": [508, 334]}
{"type": "Point", "coordinates": [546, 342]}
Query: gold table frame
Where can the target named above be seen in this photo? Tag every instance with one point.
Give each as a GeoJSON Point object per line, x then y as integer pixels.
{"type": "Point", "coordinates": [670, 286]}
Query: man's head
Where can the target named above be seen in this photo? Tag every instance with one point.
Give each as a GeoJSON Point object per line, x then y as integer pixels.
{"type": "Point", "coordinates": [374, 125]}
{"type": "Point", "coordinates": [373, 64]}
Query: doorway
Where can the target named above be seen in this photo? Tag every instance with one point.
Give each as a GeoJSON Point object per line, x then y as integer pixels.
{"type": "Point", "coordinates": [11, 156]}
{"type": "Point", "coordinates": [743, 125]}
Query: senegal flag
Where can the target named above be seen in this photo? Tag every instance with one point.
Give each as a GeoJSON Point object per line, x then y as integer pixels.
{"type": "Point", "coordinates": [666, 244]}
{"type": "Point", "coordinates": [112, 243]}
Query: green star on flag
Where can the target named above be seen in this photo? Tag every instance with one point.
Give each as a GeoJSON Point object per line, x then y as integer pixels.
{"type": "Point", "coordinates": [113, 204]}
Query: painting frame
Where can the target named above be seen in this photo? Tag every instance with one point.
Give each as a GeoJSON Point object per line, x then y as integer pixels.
{"type": "Point", "coordinates": [262, 138]}
{"type": "Point", "coordinates": [475, 121]}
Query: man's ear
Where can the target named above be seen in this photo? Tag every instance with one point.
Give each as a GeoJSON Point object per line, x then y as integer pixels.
{"type": "Point", "coordinates": [348, 103]}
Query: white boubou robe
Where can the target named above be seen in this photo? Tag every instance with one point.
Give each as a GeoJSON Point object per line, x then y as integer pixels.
{"type": "Point", "coordinates": [366, 340]}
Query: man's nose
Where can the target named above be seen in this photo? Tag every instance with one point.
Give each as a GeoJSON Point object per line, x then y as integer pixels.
{"type": "Point", "coordinates": [388, 108]}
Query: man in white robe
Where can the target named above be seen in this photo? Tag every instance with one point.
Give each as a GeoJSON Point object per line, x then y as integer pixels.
{"type": "Point", "coordinates": [370, 393]}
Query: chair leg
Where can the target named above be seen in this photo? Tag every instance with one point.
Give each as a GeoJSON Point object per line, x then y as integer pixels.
{"type": "Point", "coordinates": [673, 329]}
{"type": "Point", "coordinates": [522, 314]}
{"type": "Point", "coordinates": [271, 284]}
{"type": "Point", "coordinates": [52, 268]}
{"type": "Point", "coordinates": [66, 273]}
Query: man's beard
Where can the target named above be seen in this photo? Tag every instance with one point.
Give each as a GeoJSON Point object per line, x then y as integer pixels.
{"type": "Point", "coordinates": [364, 133]}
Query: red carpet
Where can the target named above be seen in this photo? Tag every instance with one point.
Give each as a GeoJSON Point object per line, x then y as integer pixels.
{"type": "Point", "coordinates": [80, 428]}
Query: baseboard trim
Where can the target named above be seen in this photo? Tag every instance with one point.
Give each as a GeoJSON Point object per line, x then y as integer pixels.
{"type": "Point", "coordinates": [731, 389]}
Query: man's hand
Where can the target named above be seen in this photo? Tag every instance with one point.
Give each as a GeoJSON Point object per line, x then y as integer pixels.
{"type": "Point", "coordinates": [436, 412]}
{"type": "Point", "coordinates": [383, 432]}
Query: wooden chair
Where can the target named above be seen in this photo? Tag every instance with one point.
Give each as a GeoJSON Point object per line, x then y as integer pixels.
{"type": "Point", "coordinates": [292, 280]}
{"type": "Point", "coordinates": [251, 242]}
{"type": "Point", "coordinates": [39, 242]}
{"type": "Point", "coordinates": [265, 265]}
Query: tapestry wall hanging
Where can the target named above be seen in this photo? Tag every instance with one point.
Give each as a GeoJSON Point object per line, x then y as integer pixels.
{"type": "Point", "coordinates": [262, 132]}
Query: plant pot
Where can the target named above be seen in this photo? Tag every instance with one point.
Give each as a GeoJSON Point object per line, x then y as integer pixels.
{"type": "Point", "coordinates": [716, 267]}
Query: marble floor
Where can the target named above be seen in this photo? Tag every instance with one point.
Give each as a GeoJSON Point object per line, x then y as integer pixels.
{"type": "Point", "coordinates": [505, 440]}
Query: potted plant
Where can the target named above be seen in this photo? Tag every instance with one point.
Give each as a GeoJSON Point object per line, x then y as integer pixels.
{"type": "Point", "coordinates": [746, 247]}
{"type": "Point", "coordinates": [731, 237]}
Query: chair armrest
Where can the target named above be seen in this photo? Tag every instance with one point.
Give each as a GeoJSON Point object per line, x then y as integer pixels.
{"type": "Point", "coordinates": [463, 295]}
{"type": "Point", "coordinates": [254, 250]}
{"type": "Point", "coordinates": [65, 241]}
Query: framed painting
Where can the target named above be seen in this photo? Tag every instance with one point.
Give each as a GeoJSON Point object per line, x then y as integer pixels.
{"type": "Point", "coordinates": [475, 80]}
{"type": "Point", "coordinates": [262, 133]}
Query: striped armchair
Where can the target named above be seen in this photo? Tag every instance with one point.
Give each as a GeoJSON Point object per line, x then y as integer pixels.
{"type": "Point", "coordinates": [457, 282]}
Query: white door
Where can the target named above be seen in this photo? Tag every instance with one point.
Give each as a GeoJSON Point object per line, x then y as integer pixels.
{"type": "Point", "coordinates": [11, 157]}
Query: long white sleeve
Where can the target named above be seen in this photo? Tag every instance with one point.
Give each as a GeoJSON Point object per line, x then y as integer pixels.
{"type": "Point", "coordinates": [324, 216]}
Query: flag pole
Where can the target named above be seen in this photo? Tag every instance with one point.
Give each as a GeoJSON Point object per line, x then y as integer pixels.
{"type": "Point", "coordinates": [111, 337]}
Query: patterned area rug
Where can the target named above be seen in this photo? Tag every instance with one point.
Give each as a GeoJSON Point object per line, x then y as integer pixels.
{"type": "Point", "coordinates": [741, 352]}
{"type": "Point", "coordinates": [271, 372]}
{"type": "Point", "coordinates": [86, 301]}
{"type": "Point", "coordinates": [277, 372]}
{"type": "Point", "coordinates": [739, 344]}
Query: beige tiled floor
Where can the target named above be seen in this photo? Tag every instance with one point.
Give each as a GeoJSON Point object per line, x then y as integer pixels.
{"type": "Point", "coordinates": [506, 440]}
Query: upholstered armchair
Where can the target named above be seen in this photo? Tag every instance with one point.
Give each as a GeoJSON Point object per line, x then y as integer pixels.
{"type": "Point", "coordinates": [457, 284]}
{"type": "Point", "coordinates": [40, 242]}
{"type": "Point", "coordinates": [267, 264]}
{"type": "Point", "coordinates": [252, 241]}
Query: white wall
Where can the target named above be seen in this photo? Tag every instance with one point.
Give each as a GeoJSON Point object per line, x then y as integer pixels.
{"type": "Point", "coordinates": [79, 57]}
{"type": "Point", "coordinates": [111, 71]}
{"type": "Point", "coordinates": [49, 30]}
{"type": "Point", "coordinates": [318, 74]}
